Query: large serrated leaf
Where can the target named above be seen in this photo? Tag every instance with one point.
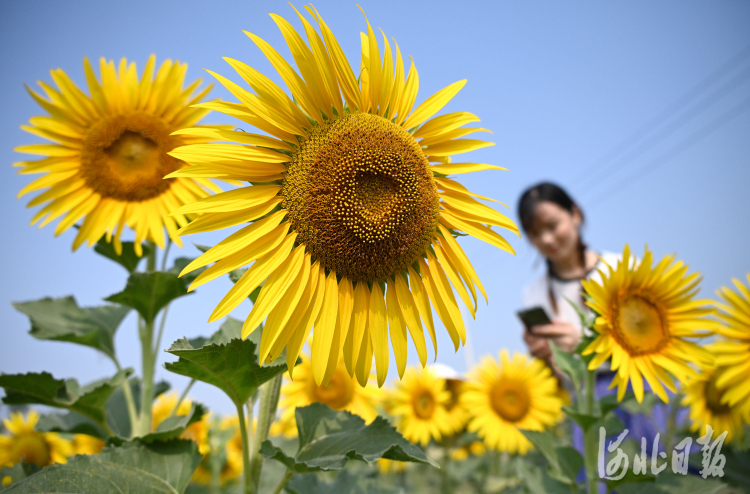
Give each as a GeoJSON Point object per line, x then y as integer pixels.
{"type": "Point", "coordinates": [328, 439]}
{"type": "Point", "coordinates": [71, 422]}
{"type": "Point", "coordinates": [61, 319]}
{"type": "Point", "coordinates": [128, 259]}
{"type": "Point", "coordinates": [133, 468]}
{"type": "Point", "coordinates": [43, 389]}
{"type": "Point", "coordinates": [232, 367]}
{"type": "Point", "coordinates": [345, 483]}
{"type": "Point", "coordinates": [148, 293]}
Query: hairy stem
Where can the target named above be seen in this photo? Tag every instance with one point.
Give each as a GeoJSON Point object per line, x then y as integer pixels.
{"type": "Point", "coordinates": [129, 402]}
{"type": "Point", "coordinates": [269, 399]}
{"type": "Point", "coordinates": [247, 478]}
{"type": "Point", "coordinates": [182, 397]}
{"type": "Point", "coordinates": [148, 359]}
{"type": "Point", "coordinates": [287, 475]}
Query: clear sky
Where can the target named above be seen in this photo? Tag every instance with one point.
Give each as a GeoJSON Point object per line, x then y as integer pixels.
{"type": "Point", "coordinates": [639, 108]}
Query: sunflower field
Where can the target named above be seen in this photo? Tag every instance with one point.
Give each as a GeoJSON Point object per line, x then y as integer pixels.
{"type": "Point", "coordinates": [340, 201]}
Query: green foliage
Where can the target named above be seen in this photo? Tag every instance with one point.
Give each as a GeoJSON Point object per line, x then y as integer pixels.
{"type": "Point", "coordinates": [564, 461]}
{"type": "Point", "coordinates": [117, 412]}
{"type": "Point", "coordinates": [43, 389]}
{"type": "Point", "coordinates": [570, 364]}
{"type": "Point", "coordinates": [148, 293]}
{"type": "Point", "coordinates": [232, 367]}
{"type": "Point", "coordinates": [344, 483]}
{"type": "Point", "coordinates": [230, 330]}
{"type": "Point", "coordinates": [71, 422]}
{"type": "Point", "coordinates": [538, 481]}
{"type": "Point", "coordinates": [61, 319]}
{"type": "Point", "coordinates": [181, 263]}
{"type": "Point", "coordinates": [134, 467]}
{"type": "Point", "coordinates": [173, 426]}
{"type": "Point", "coordinates": [329, 439]}
{"type": "Point", "coordinates": [671, 483]}
{"type": "Point", "coordinates": [128, 259]}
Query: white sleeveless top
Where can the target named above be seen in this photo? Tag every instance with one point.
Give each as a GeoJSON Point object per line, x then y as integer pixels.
{"type": "Point", "coordinates": [538, 292]}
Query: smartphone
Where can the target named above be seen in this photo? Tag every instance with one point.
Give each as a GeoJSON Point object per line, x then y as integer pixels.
{"type": "Point", "coordinates": [533, 317]}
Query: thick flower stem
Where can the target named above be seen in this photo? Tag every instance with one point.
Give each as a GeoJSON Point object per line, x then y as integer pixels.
{"type": "Point", "coordinates": [129, 402]}
{"type": "Point", "coordinates": [589, 438]}
{"type": "Point", "coordinates": [148, 357]}
{"type": "Point", "coordinates": [287, 475]}
{"type": "Point", "coordinates": [247, 479]}
{"type": "Point", "coordinates": [269, 399]}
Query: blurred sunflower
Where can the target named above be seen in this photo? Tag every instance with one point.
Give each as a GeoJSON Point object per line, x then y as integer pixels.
{"type": "Point", "coordinates": [386, 466]}
{"type": "Point", "coordinates": [418, 404]}
{"type": "Point", "coordinates": [733, 354]}
{"type": "Point", "coordinates": [109, 154]}
{"type": "Point", "coordinates": [353, 227]}
{"type": "Point", "coordinates": [83, 444]}
{"type": "Point", "coordinates": [506, 396]}
{"type": "Point", "coordinates": [40, 448]}
{"type": "Point", "coordinates": [474, 448]}
{"type": "Point", "coordinates": [645, 313]}
{"type": "Point", "coordinates": [342, 392]}
{"type": "Point", "coordinates": [707, 407]}
{"type": "Point", "coordinates": [231, 464]}
{"type": "Point", "coordinates": [458, 416]}
{"type": "Point", "coordinates": [197, 431]}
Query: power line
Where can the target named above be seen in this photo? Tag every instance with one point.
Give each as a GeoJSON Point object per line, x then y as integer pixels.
{"type": "Point", "coordinates": [675, 125]}
{"type": "Point", "coordinates": [682, 146]}
{"type": "Point", "coordinates": [668, 112]}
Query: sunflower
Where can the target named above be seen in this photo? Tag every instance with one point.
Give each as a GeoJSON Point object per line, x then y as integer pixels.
{"type": "Point", "coordinates": [705, 399]}
{"type": "Point", "coordinates": [474, 448]}
{"type": "Point", "coordinates": [386, 466]}
{"type": "Point", "coordinates": [418, 404]}
{"type": "Point", "coordinates": [353, 215]}
{"type": "Point", "coordinates": [507, 396]}
{"type": "Point", "coordinates": [23, 442]}
{"type": "Point", "coordinates": [733, 353]}
{"type": "Point", "coordinates": [197, 431]}
{"type": "Point", "coordinates": [232, 465]}
{"type": "Point", "coordinates": [341, 393]}
{"type": "Point", "coordinates": [458, 416]}
{"type": "Point", "coordinates": [109, 153]}
{"type": "Point", "coordinates": [83, 444]}
{"type": "Point", "coordinates": [645, 312]}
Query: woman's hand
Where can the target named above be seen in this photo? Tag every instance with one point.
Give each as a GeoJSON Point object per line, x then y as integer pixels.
{"type": "Point", "coordinates": [563, 334]}
{"type": "Point", "coordinates": [538, 346]}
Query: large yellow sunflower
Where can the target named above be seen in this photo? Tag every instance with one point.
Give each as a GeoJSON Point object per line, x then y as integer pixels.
{"type": "Point", "coordinates": [342, 392]}
{"type": "Point", "coordinates": [733, 354]}
{"type": "Point", "coordinates": [506, 396]}
{"type": "Point", "coordinates": [109, 154]}
{"type": "Point", "coordinates": [418, 404]}
{"type": "Point", "coordinates": [646, 313]}
{"type": "Point", "coordinates": [705, 399]}
{"type": "Point", "coordinates": [197, 431]}
{"type": "Point", "coordinates": [40, 448]}
{"type": "Point", "coordinates": [353, 227]}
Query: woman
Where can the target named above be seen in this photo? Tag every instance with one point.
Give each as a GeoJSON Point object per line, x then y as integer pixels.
{"type": "Point", "coordinates": [552, 222]}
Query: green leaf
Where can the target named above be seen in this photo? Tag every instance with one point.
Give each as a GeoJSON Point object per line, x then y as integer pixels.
{"type": "Point", "coordinates": [564, 462]}
{"type": "Point", "coordinates": [72, 423]}
{"type": "Point", "coordinates": [135, 467]}
{"type": "Point", "coordinates": [670, 483]}
{"type": "Point", "coordinates": [537, 480]}
{"type": "Point", "coordinates": [61, 319]}
{"type": "Point", "coordinates": [328, 439]}
{"type": "Point", "coordinates": [232, 367]}
{"type": "Point", "coordinates": [629, 478]}
{"type": "Point", "coordinates": [15, 472]}
{"type": "Point", "coordinates": [646, 407]}
{"type": "Point", "coordinates": [587, 321]}
{"type": "Point", "coordinates": [43, 389]}
{"type": "Point", "coordinates": [345, 483]}
{"type": "Point", "coordinates": [173, 426]}
{"type": "Point", "coordinates": [128, 259]}
{"type": "Point", "coordinates": [582, 419]}
{"type": "Point", "coordinates": [118, 419]}
{"type": "Point", "coordinates": [230, 330]}
{"type": "Point", "coordinates": [570, 364]}
{"type": "Point", "coordinates": [736, 469]}
{"type": "Point", "coordinates": [148, 293]}
{"type": "Point", "coordinates": [181, 263]}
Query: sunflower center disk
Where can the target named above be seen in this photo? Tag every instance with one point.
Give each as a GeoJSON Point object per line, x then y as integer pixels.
{"type": "Point", "coordinates": [33, 447]}
{"type": "Point", "coordinates": [639, 326]}
{"type": "Point", "coordinates": [337, 394]}
{"type": "Point", "coordinates": [510, 401]}
{"type": "Point", "coordinates": [424, 405]}
{"type": "Point", "coordinates": [454, 388]}
{"type": "Point", "coordinates": [713, 399]}
{"type": "Point", "coordinates": [361, 195]}
{"type": "Point", "coordinates": [125, 157]}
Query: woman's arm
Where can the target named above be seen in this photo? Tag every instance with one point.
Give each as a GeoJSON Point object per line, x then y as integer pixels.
{"type": "Point", "coordinates": [563, 334]}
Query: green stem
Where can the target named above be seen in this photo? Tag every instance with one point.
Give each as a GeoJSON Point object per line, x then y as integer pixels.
{"type": "Point", "coordinates": [147, 358]}
{"type": "Point", "coordinates": [590, 436]}
{"type": "Point", "coordinates": [129, 402]}
{"type": "Point", "coordinates": [446, 484]}
{"type": "Point", "coordinates": [287, 475]}
{"type": "Point", "coordinates": [161, 330]}
{"type": "Point", "coordinates": [245, 448]}
{"type": "Point", "coordinates": [182, 397]}
{"type": "Point", "coordinates": [269, 399]}
{"type": "Point", "coordinates": [250, 405]}
{"type": "Point", "coordinates": [166, 254]}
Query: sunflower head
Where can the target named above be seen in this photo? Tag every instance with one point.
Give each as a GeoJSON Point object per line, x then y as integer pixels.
{"type": "Point", "coordinates": [708, 405]}
{"type": "Point", "coordinates": [107, 158]}
{"type": "Point", "coordinates": [508, 395]}
{"type": "Point", "coordinates": [418, 403]}
{"type": "Point", "coordinates": [353, 217]}
{"type": "Point", "coordinates": [83, 444]}
{"type": "Point", "coordinates": [23, 442]}
{"type": "Point", "coordinates": [342, 392]}
{"type": "Point", "coordinates": [646, 312]}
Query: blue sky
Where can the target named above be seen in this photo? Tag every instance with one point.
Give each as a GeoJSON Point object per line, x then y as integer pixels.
{"type": "Point", "coordinates": [564, 86]}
